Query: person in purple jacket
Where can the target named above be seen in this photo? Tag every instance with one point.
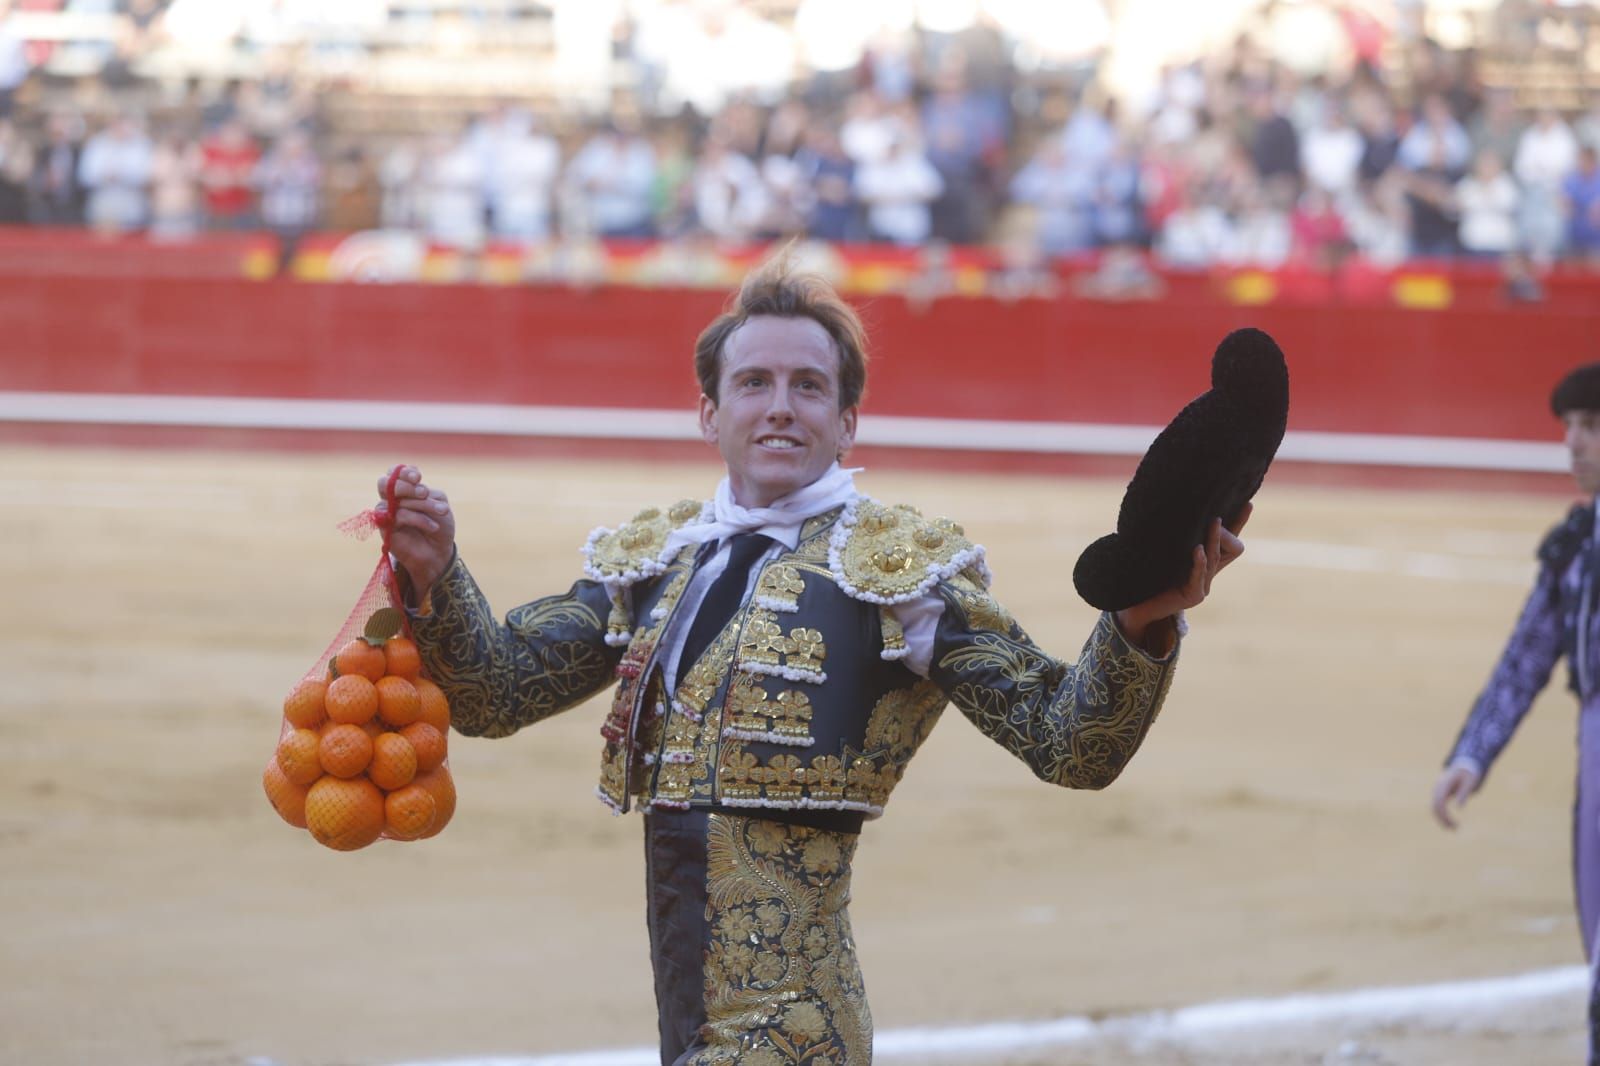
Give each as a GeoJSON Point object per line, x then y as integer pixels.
{"type": "Point", "coordinates": [1558, 619]}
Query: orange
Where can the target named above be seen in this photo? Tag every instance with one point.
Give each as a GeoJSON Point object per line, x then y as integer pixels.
{"type": "Point", "coordinates": [345, 750]}
{"type": "Point", "coordinates": [374, 728]}
{"type": "Point", "coordinates": [297, 756]}
{"type": "Point", "coordinates": [344, 815]}
{"type": "Point", "coordinates": [303, 706]}
{"type": "Point", "coordinates": [401, 658]}
{"type": "Point", "coordinates": [394, 762]}
{"type": "Point", "coordinates": [358, 658]}
{"type": "Point", "coordinates": [398, 702]}
{"type": "Point", "coordinates": [409, 812]}
{"type": "Point", "coordinates": [352, 699]}
{"type": "Point", "coordinates": [443, 789]}
{"type": "Point", "coordinates": [435, 708]}
{"type": "Point", "coordinates": [428, 742]}
{"type": "Point", "coordinates": [286, 797]}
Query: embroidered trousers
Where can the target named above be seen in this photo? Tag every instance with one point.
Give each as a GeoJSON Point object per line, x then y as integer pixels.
{"type": "Point", "coordinates": [750, 942]}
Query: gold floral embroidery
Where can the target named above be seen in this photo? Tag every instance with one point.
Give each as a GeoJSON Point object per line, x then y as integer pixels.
{"type": "Point", "coordinates": [755, 714]}
{"type": "Point", "coordinates": [1074, 725]}
{"type": "Point", "coordinates": [763, 640]}
{"type": "Point", "coordinates": [805, 649]}
{"type": "Point", "coordinates": [782, 984]}
{"type": "Point", "coordinates": [548, 655]}
{"type": "Point", "coordinates": [780, 587]}
{"type": "Point", "coordinates": [891, 552]}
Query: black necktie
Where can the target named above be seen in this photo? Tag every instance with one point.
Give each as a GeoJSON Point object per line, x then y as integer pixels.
{"type": "Point", "coordinates": [722, 598]}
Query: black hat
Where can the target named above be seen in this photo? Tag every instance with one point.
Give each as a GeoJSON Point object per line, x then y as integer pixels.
{"type": "Point", "coordinates": [1207, 463]}
{"type": "Point", "coordinates": [1578, 391]}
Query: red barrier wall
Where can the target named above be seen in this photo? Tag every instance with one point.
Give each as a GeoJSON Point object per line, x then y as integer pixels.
{"type": "Point", "coordinates": [1482, 373]}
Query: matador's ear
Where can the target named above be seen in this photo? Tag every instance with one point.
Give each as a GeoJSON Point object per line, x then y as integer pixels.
{"type": "Point", "coordinates": [1207, 463]}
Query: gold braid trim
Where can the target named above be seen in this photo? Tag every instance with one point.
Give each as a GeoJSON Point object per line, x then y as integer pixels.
{"type": "Point", "coordinates": [637, 549]}
{"type": "Point", "coordinates": [883, 554]}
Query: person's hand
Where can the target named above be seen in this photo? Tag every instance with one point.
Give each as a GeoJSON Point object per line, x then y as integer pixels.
{"type": "Point", "coordinates": [423, 536]}
{"type": "Point", "coordinates": [1222, 547]}
{"type": "Point", "coordinates": [1455, 784]}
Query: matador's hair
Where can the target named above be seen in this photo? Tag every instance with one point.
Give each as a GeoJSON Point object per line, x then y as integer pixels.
{"type": "Point", "coordinates": [779, 289]}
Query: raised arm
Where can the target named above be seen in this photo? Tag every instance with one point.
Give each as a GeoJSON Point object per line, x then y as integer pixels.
{"type": "Point", "coordinates": [545, 657]}
{"type": "Point", "coordinates": [1074, 724]}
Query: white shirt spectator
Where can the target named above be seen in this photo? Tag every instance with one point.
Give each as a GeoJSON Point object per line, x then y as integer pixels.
{"type": "Point", "coordinates": [730, 198]}
{"type": "Point", "coordinates": [116, 168]}
{"type": "Point", "coordinates": [453, 176]}
{"type": "Point", "coordinates": [1487, 201]}
{"type": "Point", "coordinates": [898, 191]}
{"type": "Point", "coordinates": [1330, 154]}
{"type": "Point", "coordinates": [1546, 154]}
{"type": "Point", "coordinates": [611, 177]}
{"type": "Point", "coordinates": [527, 167]}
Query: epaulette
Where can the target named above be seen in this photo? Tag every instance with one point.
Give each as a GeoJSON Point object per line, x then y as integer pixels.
{"type": "Point", "coordinates": [1567, 538]}
{"type": "Point", "coordinates": [637, 549]}
{"type": "Point", "coordinates": [883, 554]}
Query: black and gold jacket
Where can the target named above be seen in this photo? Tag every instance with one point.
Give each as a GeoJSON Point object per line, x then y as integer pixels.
{"type": "Point", "coordinates": [802, 701]}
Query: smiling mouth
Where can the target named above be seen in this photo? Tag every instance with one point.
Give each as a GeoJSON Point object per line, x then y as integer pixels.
{"type": "Point", "coordinates": [779, 443]}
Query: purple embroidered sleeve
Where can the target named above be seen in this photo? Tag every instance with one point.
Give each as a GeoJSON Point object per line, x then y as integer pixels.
{"type": "Point", "coordinates": [1522, 672]}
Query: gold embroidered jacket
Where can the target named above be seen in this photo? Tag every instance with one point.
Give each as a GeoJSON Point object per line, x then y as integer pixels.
{"type": "Point", "coordinates": [802, 701]}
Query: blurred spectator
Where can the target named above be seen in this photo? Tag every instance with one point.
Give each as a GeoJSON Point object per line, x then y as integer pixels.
{"type": "Point", "coordinates": [175, 188]}
{"type": "Point", "coordinates": [611, 179]}
{"type": "Point", "coordinates": [1497, 127]}
{"type": "Point", "coordinates": [14, 65]}
{"type": "Point", "coordinates": [400, 175]}
{"type": "Point", "coordinates": [1487, 201]}
{"type": "Point", "coordinates": [1317, 231]}
{"type": "Point", "coordinates": [16, 168]}
{"type": "Point", "coordinates": [730, 198]}
{"type": "Point", "coordinates": [1436, 139]}
{"type": "Point", "coordinates": [1198, 232]}
{"type": "Point", "coordinates": [1546, 154]}
{"type": "Point", "coordinates": [672, 190]}
{"type": "Point", "coordinates": [1379, 224]}
{"type": "Point", "coordinates": [829, 174]}
{"type": "Point", "coordinates": [1088, 136]}
{"type": "Point", "coordinates": [452, 182]}
{"type": "Point", "coordinates": [522, 164]}
{"type": "Point", "coordinates": [898, 191]}
{"type": "Point", "coordinates": [115, 170]}
{"type": "Point", "coordinates": [1274, 144]}
{"type": "Point", "coordinates": [1263, 236]}
{"type": "Point", "coordinates": [1116, 213]}
{"type": "Point", "coordinates": [58, 196]}
{"type": "Point", "coordinates": [353, 192]}
{"type": "Point", "coordinates": [1380, 140]}
{"type": "Point", "coordinates": [227, 174]}
{"type": "Point", "coordinates": [1062, 197]}
{"type": "Point", "coordinates": [290, 179]}
{"type": "Point", "coordinates": [869, 128]}
{"type": "Point", "coordinates": [1331, 152]}
{"type": "Point", "coordinates": [1582, 192]}
{"type": "Point", "coordinates": [1430, 199]}
{"type": "Point", "coordinates": [961, 137]}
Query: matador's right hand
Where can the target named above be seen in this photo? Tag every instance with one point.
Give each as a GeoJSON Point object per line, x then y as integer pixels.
{"type": "Point", "coordinates": [423, 537]}
{"type": "Point", "coordinates": [1455, 784]}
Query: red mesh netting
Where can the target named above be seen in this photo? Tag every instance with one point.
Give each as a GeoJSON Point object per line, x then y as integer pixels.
{"type": "Point", "coordinates": [362, 745]}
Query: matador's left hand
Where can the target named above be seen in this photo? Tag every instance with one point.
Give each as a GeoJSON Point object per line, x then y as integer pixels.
{"type": "Point", "coordinates": [1222, 547]}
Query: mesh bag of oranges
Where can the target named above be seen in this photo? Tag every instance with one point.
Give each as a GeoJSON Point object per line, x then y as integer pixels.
{"type": "Point", "coordinates": [361, 749]}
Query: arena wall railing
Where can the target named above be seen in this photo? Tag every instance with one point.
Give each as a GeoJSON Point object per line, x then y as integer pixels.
{"type": "Point", "coordinates": [115, 344]}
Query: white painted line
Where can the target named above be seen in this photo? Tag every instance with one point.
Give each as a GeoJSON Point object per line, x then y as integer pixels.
{"type": "Point", "coordinates": [1455, 999]}
{"type": "Point", "coordinates": [607, 423]}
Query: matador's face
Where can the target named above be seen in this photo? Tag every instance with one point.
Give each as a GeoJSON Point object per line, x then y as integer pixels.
{"type": "Point", "coordinates": [776, 419]}
{"type": "Point", "coordinates": [1583, 446]}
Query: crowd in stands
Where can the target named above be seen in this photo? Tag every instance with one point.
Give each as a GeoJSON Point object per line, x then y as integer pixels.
{"type": "Point", "coordinates": [1234, 159]}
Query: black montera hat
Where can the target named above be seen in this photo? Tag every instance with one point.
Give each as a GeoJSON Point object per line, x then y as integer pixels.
{"type": "Point", "coordinates": [1578, 391]}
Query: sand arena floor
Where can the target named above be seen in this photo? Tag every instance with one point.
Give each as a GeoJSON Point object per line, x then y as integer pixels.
{"type": "Point", "coordinates": [1272, 837]}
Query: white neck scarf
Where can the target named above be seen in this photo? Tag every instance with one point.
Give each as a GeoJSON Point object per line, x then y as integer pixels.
{"type": "Point", "coordinates": [781, 520]}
